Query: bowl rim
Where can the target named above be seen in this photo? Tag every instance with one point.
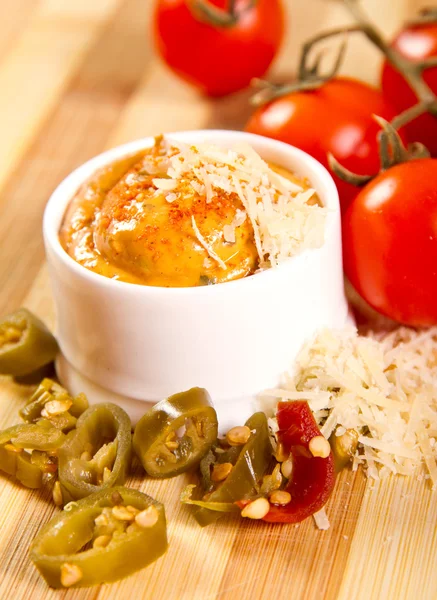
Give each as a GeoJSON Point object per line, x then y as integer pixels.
{"type": "Point", "coordinates": [64, 192]}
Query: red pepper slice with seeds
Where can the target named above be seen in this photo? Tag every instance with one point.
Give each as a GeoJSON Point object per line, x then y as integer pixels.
{"type": "Point", "coordinates": [312, 478]}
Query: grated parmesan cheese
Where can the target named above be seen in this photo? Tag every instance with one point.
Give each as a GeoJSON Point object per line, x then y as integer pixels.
{"type": "Point", "coordinates": [321, 519]}
{"type": "Point", "coordinates": [229, 230]}
{"type": "Point", "coordinates": [283, 221]}
{"type": "Point", "coordinates": [164, 184]}
{"type": "Point", "coordinates": [384, 386]}
{"type": "Point", "coordinates": [203, 243]}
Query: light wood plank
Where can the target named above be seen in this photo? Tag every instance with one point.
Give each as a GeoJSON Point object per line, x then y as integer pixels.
{"type": "Point", "coordinates": [296, 561]}
{"type": "Point", "coordinates": [395, 545]}
{"type": "Point", "coordinates": [161, 104]}
{"type": "Point", "coordinates": [354, 559]}
{"type": "Point", "coordinates": [40, 65]}
{"type": "Point", "coordinates": [14, 17]}
{"type": "Point", "coordinates": [77, 129]}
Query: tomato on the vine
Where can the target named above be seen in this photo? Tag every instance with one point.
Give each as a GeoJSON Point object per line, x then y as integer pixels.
{"type": "Point", "coordinates": [335, 118]}
{"type": "Point", "coordinates": [217, 58]}
{"type": "Point", "coordinates": [416, 42]}
{"type": "Point", "coordinates": [390, 242]}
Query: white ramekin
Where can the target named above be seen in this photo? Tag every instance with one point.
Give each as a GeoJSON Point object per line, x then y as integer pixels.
{"type": "Point", "coordinates": [235, 339]}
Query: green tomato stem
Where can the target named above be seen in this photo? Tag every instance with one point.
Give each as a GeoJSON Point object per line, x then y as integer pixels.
{"type": "Point", "coordinates": [309, 77]}
{"type": "Point", "coordinates": [304, 69]}
{"type": "Point", "coordinates": [391, 150]}
{"type": "Point", "coordinates": [410, 114]}
{"type": "Point", "coordinates": [345, 174]}
{"type": "Point", "coordinates": [411, 71]}
{"type": "Point", "coordinates": [219, 17]}
{"type": "Point", "coordinates": [269, 91]}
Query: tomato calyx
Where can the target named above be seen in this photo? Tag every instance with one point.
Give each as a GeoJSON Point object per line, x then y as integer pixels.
{"type": "Point", "coordinates": [218, 17]}
{"type": "Point", "coordinates": [391, 152]}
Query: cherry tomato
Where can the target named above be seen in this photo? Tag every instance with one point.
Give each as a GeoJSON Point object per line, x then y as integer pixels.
{"type": "Point", "coordinates": [337, 118]}
{"type": "Point", "coordinates": [390, 243]}
{"type": "Point", "coordinates": [217, 59]}
{"type": "Point", "coordinates": [416, 43]}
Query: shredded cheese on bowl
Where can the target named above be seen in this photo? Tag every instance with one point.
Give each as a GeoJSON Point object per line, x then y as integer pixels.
{"type": "Point", "coordinates": [161, 212]}
{"type": "Point", "coordinates": [383, 386]}
{"type": "Point", "coordinates": [284, 216]}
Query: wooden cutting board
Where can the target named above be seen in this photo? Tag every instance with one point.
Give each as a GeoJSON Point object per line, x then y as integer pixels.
{"type": "Point", "coordinates": [77, 76]}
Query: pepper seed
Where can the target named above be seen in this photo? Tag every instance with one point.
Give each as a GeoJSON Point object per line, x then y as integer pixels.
{"type": "Point", "coordinates": [102, 541]}
{"type": "Point", "coordinates": [319, 446]}
{"type": "Point", "coordinates": [57, 407]}
{"type": "Point", "coordinates": [57, 494]}
{"type": "Point", "coordinates": [280, 453]}
{"type": "Point", "coordinates": [237, 436]}
{"type": "Point", "coordinates": [121, 513]}
{"type": "Point", "coordinates": [132, 509]}
{"type": "Point", "coordinates": [287, 468]}
{"type": "Point", "coordinates": [147, 517]}
{"type": "Point", "coordinates": [70, 574]}
{"type": "Point", "coordinates": [172, 445]}
{"type": "Point", "coordinates": [12, 448]}
{"type": "Point", "coordinates": [221, 471]}
{"type": "Point", "coordinates": [101, 520]}
{"type": "Point", "coordinates": [256, 509]}
{"type": "Point", "coordinates": [280, 497]}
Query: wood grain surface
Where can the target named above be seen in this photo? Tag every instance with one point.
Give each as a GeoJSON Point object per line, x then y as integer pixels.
{"type": "Point", "coordinates": [78, 76]}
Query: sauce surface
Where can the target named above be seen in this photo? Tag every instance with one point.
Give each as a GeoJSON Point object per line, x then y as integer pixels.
{"type": "Point", "coordinates": [123, 224]}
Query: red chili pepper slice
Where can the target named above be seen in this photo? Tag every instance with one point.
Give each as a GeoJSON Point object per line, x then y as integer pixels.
{"type": "Point", "coordinates": [313, 478]}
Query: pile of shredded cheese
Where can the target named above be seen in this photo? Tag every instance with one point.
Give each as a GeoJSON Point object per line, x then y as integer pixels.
{"type": "Point", "coordinates": [283, 220]}
{"type": "Point", "coordinates": [384, 386]}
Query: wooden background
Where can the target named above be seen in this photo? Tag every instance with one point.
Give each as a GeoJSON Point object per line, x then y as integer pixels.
{"type": "Point", "coordinates": [78, 76]}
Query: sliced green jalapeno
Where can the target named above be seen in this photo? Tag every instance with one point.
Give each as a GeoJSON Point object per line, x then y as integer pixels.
{"type": "Point", "coordinates": [41, 436]}
{"type": "Point", "coordinates": [16, 462]}
{"type": "Point", "coordinates": [126, 529]}
{"type": "Point", "coordinates": [29, 474]}
{"type": "Point", "coordinates": [41, 440]}
{"type": "Point", "coordinates": [25, 344]}
{"type": "Point", "coordinates": [165, 451]}
{"type": "Point", "coordinates": [97, 454]}
{"type": "Point", "coordinates": [246, 465]}
{"type": "Point", "coordinates": [52, 402]}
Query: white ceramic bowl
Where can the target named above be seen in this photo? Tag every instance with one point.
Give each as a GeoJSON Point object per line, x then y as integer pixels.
{"type": "Point", "coordinates": [235, 339]}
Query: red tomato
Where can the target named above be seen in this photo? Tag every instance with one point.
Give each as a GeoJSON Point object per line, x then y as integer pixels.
{"type": "Point", "coordinates": [313, 478]}
{"type": "Point", "coordinates": [337, 118]}
{"type": "Point", "coordinates": [416, 43]}
{"type": "Point", "coordinates": [390, 243]}
{"type": "Point", "coordinates": [219, 60]}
